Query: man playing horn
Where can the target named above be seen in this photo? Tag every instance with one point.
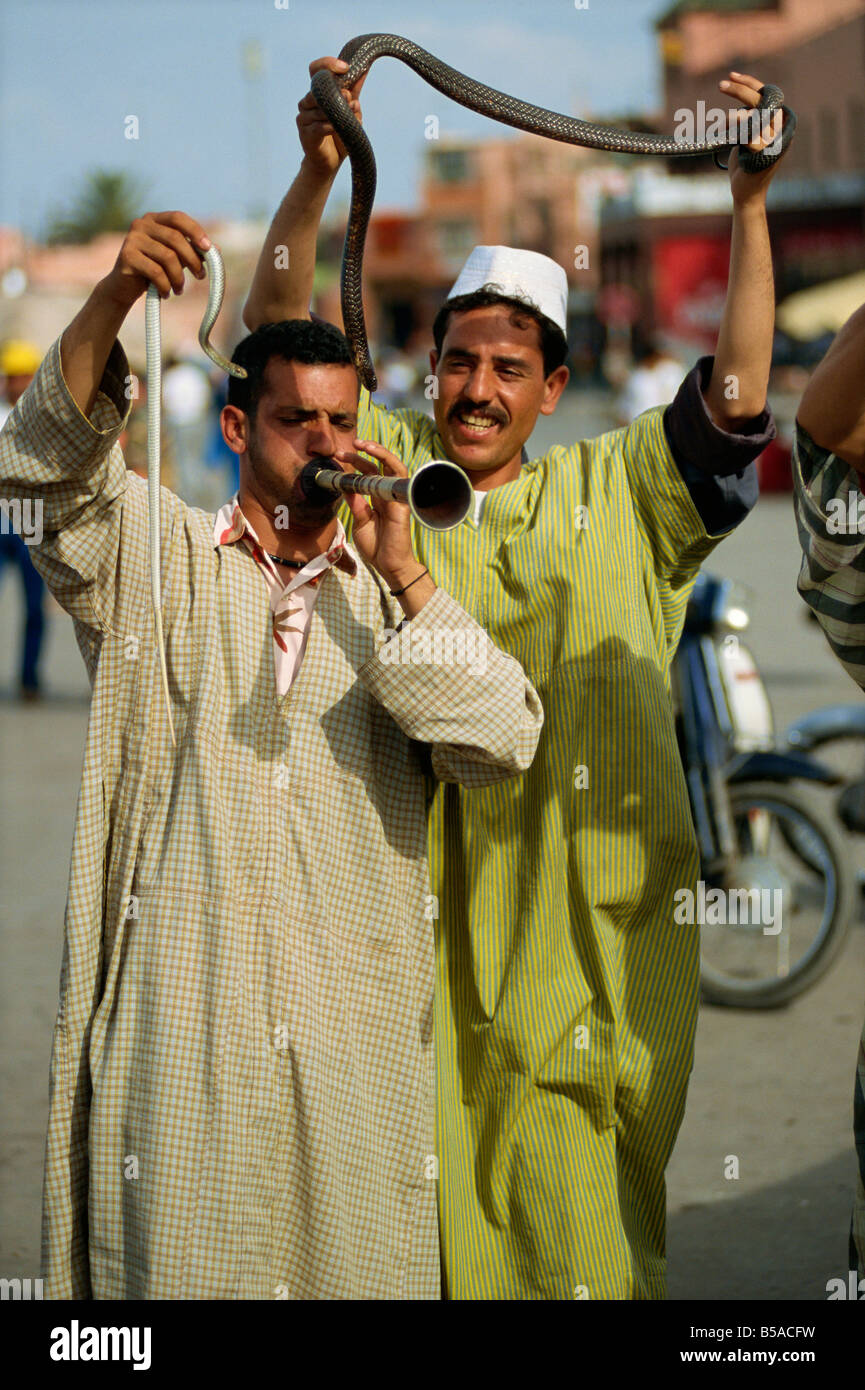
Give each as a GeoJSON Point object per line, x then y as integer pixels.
{"type": "Point", "coordinates": [566, 996]}
{"type": "Point", "coordinates": [242, 1074]}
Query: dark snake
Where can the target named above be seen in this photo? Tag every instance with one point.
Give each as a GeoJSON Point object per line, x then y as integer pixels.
{"type": "Point", "coordinates": [360, 53]}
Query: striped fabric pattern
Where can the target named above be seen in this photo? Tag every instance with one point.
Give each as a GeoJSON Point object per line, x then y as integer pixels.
{"type": "Point", "coordinates": [832, 577]}
{"type": "Point", "coordinates": [242, 1082]}
{"type": "Point", "coordinates": [566, 996]}
{"type": "Point", "coordinates": [832, 583]}
{"type": "Point", "coordinates": [857, 1225]}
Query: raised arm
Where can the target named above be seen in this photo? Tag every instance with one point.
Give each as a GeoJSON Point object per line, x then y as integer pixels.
{"type": "Point", "coordinates": [282, 284]}
{"type": "Point", "coordinates": [157, 248]}
{"type": "Point", "coordinates": [743, 357]}
{"type": "Point", "coordinates": [59, 447]}
{"type": "Point", "coordinates": [833, 406]}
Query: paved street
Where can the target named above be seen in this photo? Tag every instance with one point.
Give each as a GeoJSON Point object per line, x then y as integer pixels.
{"type": "Point", "coordinates": [773, 1088]}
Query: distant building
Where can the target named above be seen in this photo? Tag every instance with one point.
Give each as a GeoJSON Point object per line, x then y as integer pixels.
{"type": "Point", "coordinates": [59, 279]}
{"type": "Point", "coordinates": [644, 242]}
{"type": "Point", "coordinates": [669, 236]}
{"type": "Point", "coordinates": [401, 278]}
{"type": "Point", "coordinates": [522, 190]}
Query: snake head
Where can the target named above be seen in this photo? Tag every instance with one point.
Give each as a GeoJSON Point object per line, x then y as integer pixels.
{"type": "Point", "coordinates": [233, 368]}
{"type": "Point", "coordinates": [215, 293]}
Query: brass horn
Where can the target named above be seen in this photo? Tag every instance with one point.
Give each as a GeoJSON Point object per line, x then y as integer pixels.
{"type": "Point", "coordinates": [439, 494]}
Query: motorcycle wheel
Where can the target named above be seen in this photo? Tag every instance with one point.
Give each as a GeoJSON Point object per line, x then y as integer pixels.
{"type": "Point", "coordinates": [783, 842]}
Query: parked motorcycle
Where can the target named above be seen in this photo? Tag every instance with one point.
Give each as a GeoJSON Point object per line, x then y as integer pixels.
{"type": "Point", "coordinates": [842, 726]}
{"type": "Point", "coordinates": [777, 895]}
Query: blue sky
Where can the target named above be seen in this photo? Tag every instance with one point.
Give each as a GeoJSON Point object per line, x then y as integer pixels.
{"type": "Point", "coordinates": [71, 71]}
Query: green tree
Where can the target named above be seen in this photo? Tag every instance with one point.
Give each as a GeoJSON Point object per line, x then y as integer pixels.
{"type": "Point", "coordinates": [108, 202]}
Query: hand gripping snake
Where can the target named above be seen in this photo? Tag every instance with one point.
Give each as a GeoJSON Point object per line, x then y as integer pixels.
{"type": "Point", "coordinates": [153, 349]}
{"type": "Point", "coordinates": [360, 53]}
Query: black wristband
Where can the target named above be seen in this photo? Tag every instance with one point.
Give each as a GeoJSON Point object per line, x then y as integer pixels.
{"type": "Point", "coordinates": [395, 593]}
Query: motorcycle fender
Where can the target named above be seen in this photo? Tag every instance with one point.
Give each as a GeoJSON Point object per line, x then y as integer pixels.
{"type": "Point", "coordinates": [823, 725]}
{"type": "Point", "coordinates": [781, 767]}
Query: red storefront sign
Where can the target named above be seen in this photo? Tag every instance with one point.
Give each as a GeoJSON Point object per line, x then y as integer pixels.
{"type": "Point", "coordinates": [690, 284]}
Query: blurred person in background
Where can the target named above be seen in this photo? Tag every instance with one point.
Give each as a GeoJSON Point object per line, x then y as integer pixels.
{"type": "Point", "coordinates": [186, 401]}
{"type": "Point", "coordinates": [19, 362]}
{"type": "Point", "coordinates": [653, 380]}
{"type": "Point", "coordinates": [829, 497]}
{"type": "Point", "coordinates": [218, 458]}
{"type": "Point", "coordinates": [397, 379]}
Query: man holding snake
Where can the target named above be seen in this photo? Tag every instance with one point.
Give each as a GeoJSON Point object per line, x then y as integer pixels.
{"type": "Point", "coordinates": [566, 996]}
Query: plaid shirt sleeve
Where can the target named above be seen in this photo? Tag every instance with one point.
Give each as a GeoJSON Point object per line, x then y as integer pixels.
{"type": "Point", "coordinates": [448, 685]}
{"type": "Point", "coordinates": [832, 578]}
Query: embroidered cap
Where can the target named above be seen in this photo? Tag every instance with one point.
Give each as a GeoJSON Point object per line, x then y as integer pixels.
{"type": "Point", "coordinates": [526, 275]}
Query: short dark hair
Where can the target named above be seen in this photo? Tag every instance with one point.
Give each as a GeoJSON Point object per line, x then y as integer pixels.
{"type": "Point", "coordinates": [554, 344]}
{"type": "Point", "coordinates": [293, 340]}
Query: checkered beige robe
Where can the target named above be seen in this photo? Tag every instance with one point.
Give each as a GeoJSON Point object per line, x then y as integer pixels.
{"type": "Point", "coordinates": [242, 1071]}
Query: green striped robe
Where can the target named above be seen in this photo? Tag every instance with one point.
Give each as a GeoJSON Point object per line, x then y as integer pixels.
{"type": "Point", "coordinates": [566, 996]}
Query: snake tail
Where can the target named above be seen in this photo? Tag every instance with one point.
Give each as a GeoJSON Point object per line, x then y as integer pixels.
{"type": "Point", "coordinates": [153, 351]}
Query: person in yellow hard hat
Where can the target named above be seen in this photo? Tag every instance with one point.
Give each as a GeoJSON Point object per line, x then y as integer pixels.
{"type": "Point", "coordinates": [19, 362]}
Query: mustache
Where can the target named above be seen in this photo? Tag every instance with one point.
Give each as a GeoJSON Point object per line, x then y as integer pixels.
{"type": "Point", "coordinates": [468, 408]}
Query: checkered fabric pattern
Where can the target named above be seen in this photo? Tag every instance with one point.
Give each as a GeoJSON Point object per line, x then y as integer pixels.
{"type": "Point", "coordinates": [832, 583]}
{"type": "Point", "coordinates": [242, 1079]}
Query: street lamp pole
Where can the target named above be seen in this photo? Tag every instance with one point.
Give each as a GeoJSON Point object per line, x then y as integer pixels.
{"type": "Point", "coordinates": [257, 162]}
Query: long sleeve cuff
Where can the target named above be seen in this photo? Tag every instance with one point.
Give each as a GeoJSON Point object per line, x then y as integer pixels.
{"type": "Point", "coordinates": [447, 684]}
{"type": "Point", "coordinates": [716, 466]}
{"type": "Point", "coordinates": [694, 438]}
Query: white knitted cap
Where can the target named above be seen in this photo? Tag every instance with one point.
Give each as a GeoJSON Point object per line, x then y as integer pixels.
{"type": "Point", "coordinates": [520, 275]}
